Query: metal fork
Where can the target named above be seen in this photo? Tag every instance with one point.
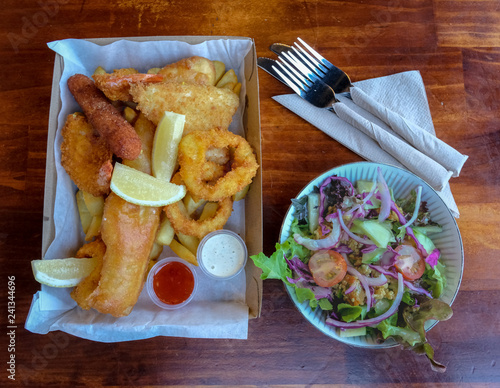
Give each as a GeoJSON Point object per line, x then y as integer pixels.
{"type": "Point", "coordinates": [305, 83]}
{"type": "Point", "coordinates": [336, 78]}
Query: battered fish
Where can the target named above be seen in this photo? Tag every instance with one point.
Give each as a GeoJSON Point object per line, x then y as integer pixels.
{"type": "Point", "coordinates": [128, 231]}
{"type": "Point", "coordinates": [205, 106]}
{"type": "Point", "coordinates": [85, 156]}
{"type": "Point", "coordinates": [193, 70]}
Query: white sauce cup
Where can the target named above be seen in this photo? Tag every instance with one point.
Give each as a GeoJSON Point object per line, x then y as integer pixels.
{"type": "Point", "coordinates": [222, 254]}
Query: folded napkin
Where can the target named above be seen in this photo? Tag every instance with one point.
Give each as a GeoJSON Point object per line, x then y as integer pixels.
{"type": "Point", "coordinates": [402, 94]}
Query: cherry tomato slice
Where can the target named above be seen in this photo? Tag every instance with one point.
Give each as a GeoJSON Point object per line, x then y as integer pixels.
{"type": "Point", "coordinates": [410, 262]}
{"type": "Point", "coordinates": [327, 268]}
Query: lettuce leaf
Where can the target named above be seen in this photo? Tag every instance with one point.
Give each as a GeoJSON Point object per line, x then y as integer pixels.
{"type": "Point", "coordinates": [350, 313]}
{"type": "Point", "coordinates": [433, 279]}
{"type": "Point", "coordinates": [275, 266]}
{"type": "Point", "coordinates": [389, 328]}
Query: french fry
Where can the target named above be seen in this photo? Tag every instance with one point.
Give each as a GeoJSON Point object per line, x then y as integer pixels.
{"type": "Point", "coordinates": [228, 78]}
{"type": "Point", "coordinates": [94, 228]}
{"type": "Point", "coordinates": [95, 205]}
{"type": "Point", "coordinates": [184, 253]}
{"type": "Point", "coordinates": [192, 203]}
{"type": "Point", "coordinates": [154, 70]}
{"type": "Point", "coordinates": [229, 85]}
{"type": "Point", "coordinates": [190, 242]}
{"type": "Point", "coordinates": [220, 69]}
{"type": "Point", "coordinates": [208, 211]}
{"type": "Point", "coordinates": [129, 114]}
{"type": "Point", "coordinates": [237, 88]}
{"type": "Point", "coordinates": [155, 251]}
{"type": "Point", "coordinates": [99, 70]}
{"type": "Point", "coordinates": [165, 233]}
{"type": "Point", "coordinates": [85, 216]}
{"type": "Point", "coordinates": [241, 194]}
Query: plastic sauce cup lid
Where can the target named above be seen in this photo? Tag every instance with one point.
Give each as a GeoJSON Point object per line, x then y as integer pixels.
{"type": "Point", "coordinates": [179, 270]}
{"type": "Point", "coordinates": [222, 254]}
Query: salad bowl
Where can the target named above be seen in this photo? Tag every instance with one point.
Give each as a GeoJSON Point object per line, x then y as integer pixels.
{"type": "Point", "coordinates": [448, 241]}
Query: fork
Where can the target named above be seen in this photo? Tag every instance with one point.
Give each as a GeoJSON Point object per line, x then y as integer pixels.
{"type": "Point", "coordinates": [310, 61]}
{"type": "Point", "coordinates": [336, 78]}
{"type": "Point", "coordinates": [312, 89]}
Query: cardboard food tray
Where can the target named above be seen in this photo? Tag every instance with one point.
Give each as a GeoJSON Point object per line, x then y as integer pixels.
{"type": "Point", "coordinates": [251, 123]}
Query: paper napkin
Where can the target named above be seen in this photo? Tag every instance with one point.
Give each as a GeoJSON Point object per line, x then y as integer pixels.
{"type": "Point", "coordinates": [402, 93]}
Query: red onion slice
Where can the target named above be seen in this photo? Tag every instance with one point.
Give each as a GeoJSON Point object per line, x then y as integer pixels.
{"type": "Point", "coordinates": [351, 270]}
{"type": "Point", "coordinates": [351, 234]}
{"type": "Point", "coordinates": [385, 197]}
{"type": "Point", "coordinates": [325, 243]}
{"type": "Point", "coordinates": [350, 289]}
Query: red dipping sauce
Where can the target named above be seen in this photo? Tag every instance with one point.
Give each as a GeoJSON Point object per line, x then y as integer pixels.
{"type": "Point", "coordinates": [171, 283]}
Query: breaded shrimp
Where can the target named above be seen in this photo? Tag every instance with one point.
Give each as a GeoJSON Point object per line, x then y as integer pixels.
{"type": "Point", "coordinates": [105, 118]}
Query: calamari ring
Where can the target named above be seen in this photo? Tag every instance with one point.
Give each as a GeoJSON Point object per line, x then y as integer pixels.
{"type": "Point", "coordinates": [183, 223]}
{"type": "Point", "coordinates": [192, 160]}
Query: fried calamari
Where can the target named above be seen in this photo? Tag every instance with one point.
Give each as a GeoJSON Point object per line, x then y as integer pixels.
{"type": "Point", "coordinates": [193, 160]}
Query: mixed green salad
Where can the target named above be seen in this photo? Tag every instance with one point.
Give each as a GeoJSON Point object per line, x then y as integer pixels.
{"type": "Point", "coordinates": [366, 259]}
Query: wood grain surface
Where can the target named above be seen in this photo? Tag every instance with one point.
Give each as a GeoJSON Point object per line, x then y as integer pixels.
{"type": "Point", "coordinates": [455, 44]}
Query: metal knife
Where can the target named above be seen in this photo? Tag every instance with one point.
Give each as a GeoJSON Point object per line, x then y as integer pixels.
{"type": "Point", "coordinates": [266, 64]}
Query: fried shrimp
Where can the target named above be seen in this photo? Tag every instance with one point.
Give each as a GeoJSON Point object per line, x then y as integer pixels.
{"type": "Point", "coordinates": [205, 106]}
{"type": "Point", "coordinates": [105, 118]}
{"type": "Point", "coordinates": [193, 160]}
{"type": "Point", "coordinates": [85, 156]}
{"type": "Point", "coordinates": [116, 85]}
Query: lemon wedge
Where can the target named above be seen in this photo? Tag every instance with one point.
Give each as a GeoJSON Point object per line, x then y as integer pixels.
{"type": "Point", "coordinates": [166, 143]}
{"type": "Point", "coordinates": [142, 189]}
{"type": "Point", "coordinates": [62, 272]}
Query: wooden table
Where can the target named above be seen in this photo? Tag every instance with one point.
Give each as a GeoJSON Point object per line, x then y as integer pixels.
{"type": "Point", "coordinates": [456, 47]}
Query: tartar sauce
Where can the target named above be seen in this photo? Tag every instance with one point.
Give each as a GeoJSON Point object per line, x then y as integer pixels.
{"type": "Point", "coordinates": [222, 254]}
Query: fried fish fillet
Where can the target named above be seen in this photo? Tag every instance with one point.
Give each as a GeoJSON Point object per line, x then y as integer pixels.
{"type": "Point", "coordinates": [194, 70]}
{"type": "Point", "coordinates": [85, 156]}
{"type": "Point", "coordinates": [128, 231]}
{"type": "Point", "coordinates": [205, 106]}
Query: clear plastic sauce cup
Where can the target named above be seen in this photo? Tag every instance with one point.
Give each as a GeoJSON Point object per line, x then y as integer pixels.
{"type": "Point", "coordinates": [222, 254]}
{"type": "Point", "coordinates": [171, 283]}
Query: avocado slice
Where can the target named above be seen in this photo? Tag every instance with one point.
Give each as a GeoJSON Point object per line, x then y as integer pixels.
{"type": "Point", "coordinates": [379, 233]}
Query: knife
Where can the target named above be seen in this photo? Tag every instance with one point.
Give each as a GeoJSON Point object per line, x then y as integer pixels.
{"type": "Point", "coordinates": [267, 64]}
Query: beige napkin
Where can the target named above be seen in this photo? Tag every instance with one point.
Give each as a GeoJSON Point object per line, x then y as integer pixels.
{"type": "Point", "coordinates": [403, 94]}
